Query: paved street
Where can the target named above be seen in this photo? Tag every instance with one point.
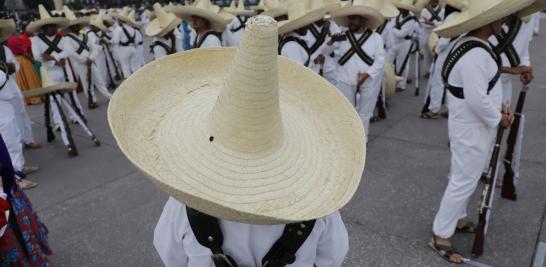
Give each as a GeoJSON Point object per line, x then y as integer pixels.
{"type": "Point", "coordinates": [101, 211]}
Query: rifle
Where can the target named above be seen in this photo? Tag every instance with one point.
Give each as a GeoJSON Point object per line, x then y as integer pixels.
{"type": "Point", "coordinates": [47, 119]}
{"type": "Point", "coordinates": [508, 188]}
{"type": "Point", "coordinates": [90, 100]}
{"type": "Point", "coordinates": [118, 75]}
{"type": "Point", "coordinates": [418, 66]}
{"type": "Point", "coordinates": [357, 94]}
{"type": "Point", "coordinates": [486, 201]}
{"type": "Point", "coordinates": [71, 144]}
{"type": "Point", "coordinates": [381, 112]}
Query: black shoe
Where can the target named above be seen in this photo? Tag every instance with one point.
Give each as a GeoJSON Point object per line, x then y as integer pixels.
{"type": "Point", "coordinates": [95, 140]}
{"type": "Point", "coordinates": [72, 151]}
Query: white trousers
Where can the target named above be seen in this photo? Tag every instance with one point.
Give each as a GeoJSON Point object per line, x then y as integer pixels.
{"type": "Point", "coordinates": [402, 51]}
{"type": "Point", "coordinates": [96, 81]}
{"type": "Point", "coordinates": [126, 57]}
{"type": "Point", "coordinates": [139, 58]}
{"type": "Point", "coordinates": [423, 41]}
{"type": "Point", "coordinates": [436, 87]}
{"type": "Point", "coordinates": [69, 111]}
{"type": "Point", "coordinates": [12, 136]}
{"type": "Point", "coordinates": [470, 145]}
{"type": "Point", "coordinates": [368, 98]}
{"type": "Point", "coordinates": [21, 116]}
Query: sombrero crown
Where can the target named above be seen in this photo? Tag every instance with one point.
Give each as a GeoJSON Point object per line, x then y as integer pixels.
{"type": "Point", "coordinates": [408, 5]}
{"type": "Point", "coordinates": [240, 9]}
{"type": "Point", "coordinates": [46, 19]}
{"type": "Point", "coordinates": [72, 19]}
{"type": "Point", "coordinates": [206, 10]}
{"type": "Point", "coordinates": [369, 9]}
{"type": "Point", "coordinates": [251, 143]}
{"type": "Point", "coordinates": [98, 21]}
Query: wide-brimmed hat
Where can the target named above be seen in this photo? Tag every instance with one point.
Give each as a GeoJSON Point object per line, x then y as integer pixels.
{"type": "Point", "coordinates": [259, 7]}
{"type": "Point", "coordinates": [369, 9]}
{"type": "Point", "coordinates": [49, 86]}
{"type": "Point", "coordinates": [389, 10]}
{"type": "Point", "coordinates": [476, 14]}
{"type": "Point", "coordinates": [274, 9]}
{"type": "Point", "coordinates": [408, 5]}
{"type": "Point", "coordinates": [432, 42]}
{"type": "Point", "coordinates": [390, 80]}
{"type": "Point", "coordinates": [538, 5]}
{"type": "Point", "coordinates": [127, 15]}
{"type": "Point", "coordinates": [163, 24]}
{"type": "Point", "coordinates": [7, 29]}
{"type": "Point", "coordinates": [300, 15]}
{"type": "Point", "coordinates": [206, 10]}
{"type": "Point", "coordinates": [458, 4]}
{"type": "Point", "coordinates": [98, 21]}
{"type": "Point", "coordinates": [240, 10]}
{"type": "Point", "coordinates": [249, 136]}
{"type": "Point", "coordinates": [46, 19]}
{"type": "Point", "coordinates": [72, 19]}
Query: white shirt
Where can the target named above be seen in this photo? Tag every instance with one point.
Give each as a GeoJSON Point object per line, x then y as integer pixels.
{"type": "Point", "coordinates": [210, 41]}
{"type": "Point", "coordinates": [247, 244]}
{"type": "Point", "coordinates": [388, 36]}
{"type": "Point", "coordinates": [295, 51]}
{"type": "Point", "coordinates": [348, 73]}
{"type": "Point", "coordinates": [71, 47]}
{"type": "Point", "coordinates": [329, 63]}
{"type": "Point", "coordinates": [10, 88]}
{"type": "Point", "coordinates": [426, 14]}
{"type": "Point", "coordinates": [231, 37]}
{"type": "Point", "coordinates": [520, 44]}
{"type": "Point", "coordinates": [119, 36]}
{"type": "Point", "coordinates": [55, 72]}
{"type": "Point", "coordinates": [407, 30]}
{"type": "Point", "coordinates": [473, 72]}
{"type": "Point", "coordinates": [159, 51]}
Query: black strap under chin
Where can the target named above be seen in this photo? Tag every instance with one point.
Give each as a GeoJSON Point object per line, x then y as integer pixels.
{"type": "Point", "coordinates": [206, 230]}
{"type": "Point", "coordinates": [356, 48]}
{"type": "Point", "coordinates": [456, 54]}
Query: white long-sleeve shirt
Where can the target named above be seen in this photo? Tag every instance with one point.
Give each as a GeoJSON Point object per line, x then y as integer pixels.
{"type": "Point", "coordinates": [71, 47]}
{"type": "Point", "coordinates": [119, 37]}
{"type": "Point", "coordinates": [329, 63]}
{"type": "Point", "coordinates": [159, 51]}
{"type": "Point", "coordinates": [247, 244]}
{"type": "Point", "coordinates": [348, 73]}
{"type": "Point", "coordinates": [473, 72]}
{"type": "Point", "coordinates": [294, 51]}
{"type": "Point", "coordinates": [234, 32]}
{"type": "Point", "coordinates": [406, 30]}
{"type": "Point", "coordinates": [211, 40]}
{"type": "Point", "coordinates": [10, 88]}
{"type": "Point", "coordinates": [55, 72]}
{"type": "Point", "coordinates": [426, 14]}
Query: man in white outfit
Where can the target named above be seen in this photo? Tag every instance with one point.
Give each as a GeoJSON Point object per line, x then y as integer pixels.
{"type": "Point", "coordinates": [432, 15]}
{"type": "Point", "coordinates": [164, 29]}
{"type": "Point", "coordinates": [317, 36]}
{"type": "Point", "coordinates": [124, 37]}
{"type": "Point", "coordinates": [98, 35]}
{"type": "Point", "coordinates": [405, 26]}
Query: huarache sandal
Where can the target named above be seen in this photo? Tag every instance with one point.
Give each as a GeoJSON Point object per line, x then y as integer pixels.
{"type": "Point", "coordinates": [446, 252]}
{"type": "Point", "coordinates": [467, 228]}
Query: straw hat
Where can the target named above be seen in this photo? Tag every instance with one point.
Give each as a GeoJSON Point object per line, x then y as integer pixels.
{"type": "Point", "coordinates": [163, 24]}
{"type": "Point", "coordinates": [274, 8]}
{"type": "Point", "coordinates": [458, 4]}
{"type": "Point", "coordinates": [72, 19]}
{"type": "Point", "coordinates": [169, 7]}
{"type": "Point", "coordinates": [98, 21]}
{"type": "Point", "coordinates": [46, 19]}
{"type": "Point", "coordinates": [7, 29]}
{"type": "Point", "coordinates": [390, 80]}
{"type": "Point", "coordinates": [331, 5]}
{"type": "Point", "coordinates": [407, 5]}
{"type": "Point", "coordinates": [369, 9]}
{"type": "Point", "coordinates": [151, 14]}
{"type": "Point", "coordinates": [127, 15]}
{"type": "Point", "coordinates": [259, 7]}
{"type": "Point", "coordinates": [432, 42]}
{"type": "Point", "coordinates": [49, 86]}
{"type": "Point", "coordinates": [476, 14]}
{"type": "Point", "coordinates": [204, 9]}
{"type": "Point", "coordinates": [537, 6]}
{"type": "Point", "coordinates": [389, 10]}
{"type": "Point", "coordinates": [300, 15]}
{"type": "Point", "coordinates": [262, 141]}
{"type": "Point", "coordinates": [240, 10]}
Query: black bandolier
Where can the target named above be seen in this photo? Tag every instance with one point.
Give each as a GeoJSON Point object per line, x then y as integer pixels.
{"type": "Point", "coordinates": [399, 23]}
{"type": "Point", "coordinates": [288, 38]}
{"type": "Point", "coordinates": [169, 49]}
{"type": "Point", "coordinates": [506, 40]}
{"type": "Point", "coordinates": [83, 46]}
{"type": "Point", "coordinates": [242, 22]}
{"type": "Point", "coordinates": [199, 40]}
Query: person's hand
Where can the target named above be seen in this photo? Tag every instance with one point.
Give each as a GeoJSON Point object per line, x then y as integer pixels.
{"type": "Point", "coordinates": [428, 22]}
{"type": "Point", "coordinates": [507, 117]}
{"type": "Point", "coordinates": [88, 62]}
{"type": "Point", "coordinates": [320, 59]}
{"type": "Point", "coordinates": [60, 62]}
{"type": "Point", "coordinates": [326, 26]}
{"type": "Point", "coordinates": [526, 78]}
{"type": "Point", "coordinates": [11, 68]}
{"type": "Point", "coordinates": [362, 77]}
{"type": "Point", "coordinates": [338, 37]}
{"type": "Point", "coordinates": [47, 57]}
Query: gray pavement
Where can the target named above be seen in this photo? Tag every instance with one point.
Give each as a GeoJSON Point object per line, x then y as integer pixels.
{"type": "Point", "coordinates": [101, 211]}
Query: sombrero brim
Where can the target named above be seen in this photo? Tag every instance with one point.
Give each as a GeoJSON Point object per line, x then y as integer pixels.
{"type": "Point", "coordinates": [237, 12]}
{"type": "Point", "coordinates": [294, 24]}
{"type": "Point", "coordinates": [7, 29]}
{"type": "Point", "coordinates": [79, 21]}
{"type": "Point", "coordinates": [332, 7]}
{"type": "Point", "coordinates": [218, 22]}
{"type": "Point", "coordinates": [390, 80]}
{"type": "Point", "coordinates": [38, 24]}
{"type": "Point", "coordinates": [389, 11]}
{"type": "Point", "coordinates": [61, 87]}
{"type": "Point", "coordinates": [466, 21]}
{"type": "Point", "coordinates": [161, 125]}
{"type": "Point", "coordinates": [375, 19]}
{"type": "Point", "coordinates": [275, 12]}
{"type": "Point", "coordinates": [101, 26]}
{"type": "Point", "coordinates": [539, 5]}
{"type": "Point", "coordinates": [411, 8]}
{"type": "Point", "coordinates": [432, 42]}
{"type": "Point", "coordinates": [155, 29]}
{"type": "Point", "coordinates": [129, 21]}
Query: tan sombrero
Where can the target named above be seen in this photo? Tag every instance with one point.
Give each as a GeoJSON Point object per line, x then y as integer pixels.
{"type": "Point", "coordinates": [46, 19]}
{"type": "Point", "coordinates": [389, 10]}
{"type": "Point", "coordinates": [300, 15]}
{"type": "Point", "coordinates": [476, 14]}
{"type": "Point", "coordinates": [169, 7]}
{"type": "Point", "coordinates": [204, 9]}
{"type": "Point", "coordinates": [262, 141]}
{"type": "Point", "coordinates": [127, 15]}
{"type": "Point", "coordinates": [390, 80]}
{"type": "Point", "coordinates": [240, 10]}
{"type": "Point", "coordinates": [458, 4]}
{"type": "Point", "coordinates": [98, 21]}
{"type": "Point", "coordinates": [7, 29]}
{"type": "Point", "coordinates": [49, 86]}
{"type": "Point", "coordinates": [259, 7]}
{"type": "Point", "coordinates": [408, 5]}
{"type": "Point", "coordinates": [432, 42]}
{"type": "Point", "coordinates": [538, 5]}
{"type": "Point", "coordinates": [72, 19]}
{"type": "Point", "coordinates": [369, 9]}
{"type": "Point", "coordinates": [163, 24]}
{"type": "Point", "coordinates": [274, 9]}
{"type": "Point", "coordinates": [331, 5]}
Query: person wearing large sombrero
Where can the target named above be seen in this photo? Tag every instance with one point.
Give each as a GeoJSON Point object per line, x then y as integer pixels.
{"type": "Point", "coordinates": [471, 74]}
{"type": "Point", "coordinates": [164, 30]}
{"type": "Point", "coordinates": [236, 28]}
{"type": "Point", "coordinates": [431, 16]}
{"type": "Point", "coordinates": [293, 32]}
{"type": "Point", "coordinates": [98, 34]}
{"type": "Point", "coordinates": [406, 25]}
{"type": "Point", "coordinates": [360, 55]}
{"type": "Point", "coordinates": [124, 37]}
{"type": "Point", "coordinates": [206, 21]}
{"type": "Point", "coordinates": [246, 152]}
{"type": "Point", "coordinates": [435, 89]}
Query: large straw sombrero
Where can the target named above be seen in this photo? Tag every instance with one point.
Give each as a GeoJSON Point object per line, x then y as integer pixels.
{"type": "Point", "coordinates": [476, 14]}
{"type": "Point", "coordinates": [389, 10]}
{"type": "Point", "coordinates": [538, 5]}
{"type": "Point", "coordinates": [46, 19]}
{"type": "Point", "coordinates": [369, 9]}
{"type": "Point", "coordinates": [262, 141]}
{"type": "Point", "coordinates": [274, 9]}
{"type": "Point", "coordinates": [127, 15]}
{"type": "Point", "coordinates": [98, 21]}
{"type": "Point", "coordinates": [72, 19]}
{"type": "Point", "coordinates": [204, 9]}
{"type": "Point", "coordinates": [300, 15]}
{"type": "Point", "coordinates": [432, 42]}
{"type": "Point", "coordinates": [7, 29]}
{"type": "Point", "coordinates": [408, 5]}
{"type": "Point", "coordinates": [390, 80]}
{"type": "Point", "coordinates": [49, 86]}
{"type": "Point", "coordinates": [240, 10]}
{"type": "Point", "coordinates": [259, 7]}
{"type": "Point", "coordinates": [163, 24]}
